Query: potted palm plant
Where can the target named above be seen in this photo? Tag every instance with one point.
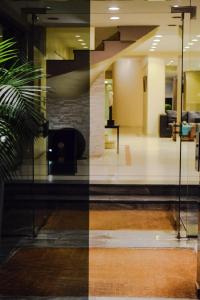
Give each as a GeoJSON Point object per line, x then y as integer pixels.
{"type": "Point", "coordinates": [20, 111]}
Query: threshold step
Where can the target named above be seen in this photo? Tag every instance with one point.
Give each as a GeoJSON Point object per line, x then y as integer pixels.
{"type": "Point", "coordinates": [100, 198]}
{"type": "Point", "coordinates": [86, 298]}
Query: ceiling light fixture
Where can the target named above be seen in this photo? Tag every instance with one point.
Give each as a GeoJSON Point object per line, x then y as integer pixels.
{"type": "Point", "coordinates": [170, 62]}
{"type": "Point", "coordinates": [176, 5]}
{"type": "Point", "coordinates": [83, 44]}
{"type": "Point", "coordinates": [155, 44]}
{"type": "Point", "coordinates": [114, 18]}
{"type": "Point", "coordinates": [194, 40]}
{"type": "Point", "coordinates": [114, 8]}
{"type": "Point", "coordinates": [156, 41]}
{"type": "Point", "coordinates": [187, 47]}
{"type": "Point", "coordinates": [158, 36]}
{"type": "Point", "coordinates": [85, 47]}
{"type": "Point", "coordinates": [77, 36]}
{"type": "Point", "coordinates": [152, 50]}
{"type": "Point", "coordinates": [190, 44]}
{"type": "Point", "coordinates": [80, 40]}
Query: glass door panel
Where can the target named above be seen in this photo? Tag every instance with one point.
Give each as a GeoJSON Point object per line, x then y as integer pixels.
{"type": "Point", "coordinates": [189, 108]}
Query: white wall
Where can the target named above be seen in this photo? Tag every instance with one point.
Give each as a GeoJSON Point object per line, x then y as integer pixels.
{"type": "Point", "coordinates": [169, 87]}
{"type": "Point", "coordinates": [155, 94]}
{"type": "Point", "coordinates": [192, 91]}
{"type": "Point", "coordinates": [97, 116]}
{"type": "Point", "coordinates": [128, 92]}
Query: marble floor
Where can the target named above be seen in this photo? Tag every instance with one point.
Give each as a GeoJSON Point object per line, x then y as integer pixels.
{"type": "Point", "coordinates": [141, 160]}
{"type": "Point", "coordinates": [145, 160]}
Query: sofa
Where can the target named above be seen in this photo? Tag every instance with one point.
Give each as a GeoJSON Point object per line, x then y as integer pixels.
{"type": "Point", "coordinates": [171, 116]}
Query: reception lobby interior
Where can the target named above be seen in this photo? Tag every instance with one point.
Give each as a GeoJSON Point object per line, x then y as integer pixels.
{"type": "Point", "coordinates": [106, 202]}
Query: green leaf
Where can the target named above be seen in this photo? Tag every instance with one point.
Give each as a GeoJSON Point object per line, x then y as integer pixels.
{"type": "Point", "coordinates": [20, 109]}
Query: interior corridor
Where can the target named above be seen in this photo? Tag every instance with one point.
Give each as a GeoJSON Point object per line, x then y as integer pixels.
{"type": "Point", "coordinates": [141, 160]}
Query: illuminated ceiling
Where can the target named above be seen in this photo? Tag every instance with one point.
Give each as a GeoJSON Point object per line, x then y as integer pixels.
{"type": "Point", "coordinates": [80, 13]}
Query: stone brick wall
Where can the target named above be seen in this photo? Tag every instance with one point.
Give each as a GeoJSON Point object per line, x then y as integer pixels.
{"type": "Point", "coordinates": [85, 113]}
{"type": "Point", "coordinates": [73, 113]}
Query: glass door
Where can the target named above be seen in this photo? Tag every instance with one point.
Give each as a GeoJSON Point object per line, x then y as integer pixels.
{"type": "Point", "coordinates": [188, 111]}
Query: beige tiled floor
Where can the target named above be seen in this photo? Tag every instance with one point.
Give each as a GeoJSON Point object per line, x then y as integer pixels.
{"type": "Point", "coordinates": [151, 160]}
{"type": "Point", "coordinates": [142, 159]}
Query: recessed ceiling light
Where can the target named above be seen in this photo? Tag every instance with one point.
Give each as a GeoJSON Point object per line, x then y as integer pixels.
{"type": "Point", "coordinates": [158, 36]}
{"type": "Point", "coordinates": [156, 41]}
{"type": "Point", "coordinates": [187, 47]}
{"type": "Point", "coordinates": [80, 40]}
{"type": "Point", "coordinates": [155, 44]}
{"type": "Point", "coordinates": [114, 8]}
{"type": "Point", "coordinates": [194, 40]}
{"type": "Point", "coordinates": [152, 50]}
{"type": "Point", "coordinates": [85, 47]}
{"type": "Point", "coordinates": [198, 36]}
{"type": "Point", "coordinates": [153, 47]}
{"type": "Point", "coordinates": [190, 44]}
{"type": "Point", "coordinates": [176, 5]}
{"type": "Point", "coordinates": [170, 62]}
{"type": "Point", "coordinates": [83, 44]}
{"type": "Point", "coordinates": [114, 18]}
{"type": "Point", "coordinates": [77, 36]}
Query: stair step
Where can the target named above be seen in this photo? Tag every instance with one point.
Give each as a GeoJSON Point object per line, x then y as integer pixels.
{"type": "Point", "coordinates": [84, 188]}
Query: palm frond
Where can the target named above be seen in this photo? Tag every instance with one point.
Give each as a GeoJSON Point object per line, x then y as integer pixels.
{"type": "Point", "coordinates": [18, 99]}
{"type": "Point", "coordinates": [20, 109]}
{"type": "Point", "coordinates": [6, 50]}
{"type": "Point", "coordinates": [9, 150]}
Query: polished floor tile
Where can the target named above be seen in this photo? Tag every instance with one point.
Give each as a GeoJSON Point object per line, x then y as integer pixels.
{"type": "Point", "coordinates": [142, 159]}
{"type": "Point", "coordinates": [108, 239]}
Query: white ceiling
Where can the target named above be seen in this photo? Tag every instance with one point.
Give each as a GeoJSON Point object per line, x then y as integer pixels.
{"type": "Point", "coordinates": [138, 12]}
{"type": "Point", "coordinates": [171, 41]}
{"type": "Point", "coordinates": [132, 12]}
{"type": "Point", "coordinates": [69, 37]}
{"type": "Point", "coordinates": [141, 12]}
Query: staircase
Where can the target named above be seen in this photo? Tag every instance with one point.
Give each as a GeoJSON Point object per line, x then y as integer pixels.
{"type": "Point", "coordinates": [27, 205]}
{"type": "Point", "coordinates": [125, 36]}
{"type": "Point", "coordinates": [83, 59]}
